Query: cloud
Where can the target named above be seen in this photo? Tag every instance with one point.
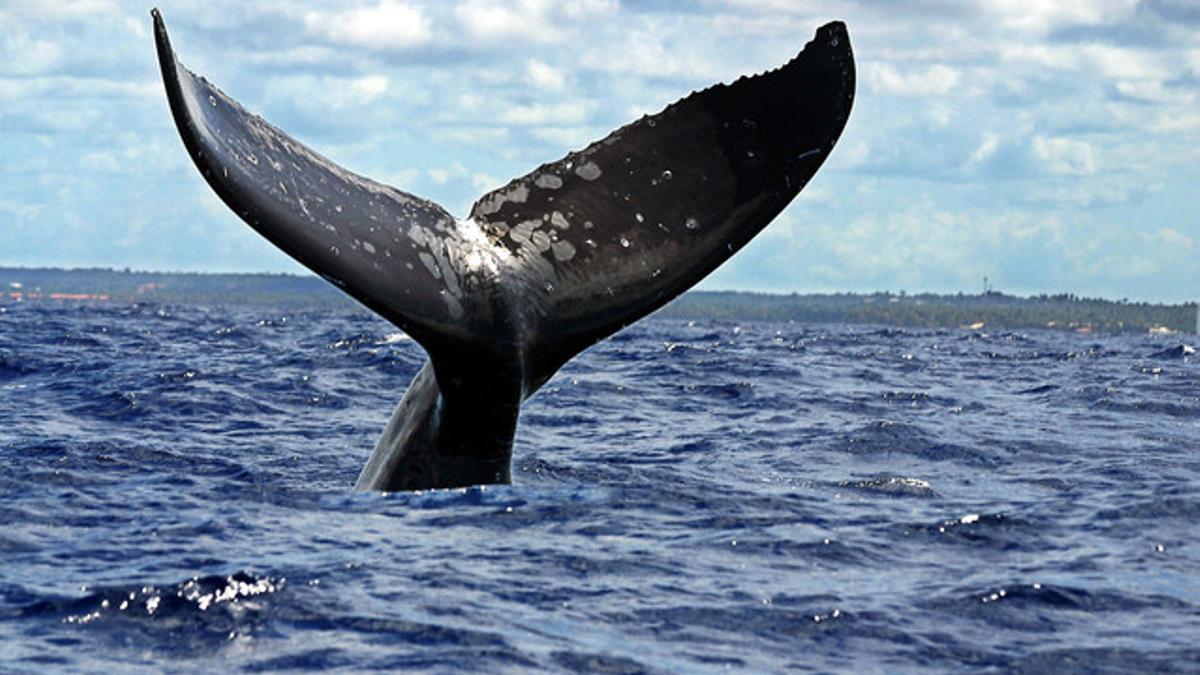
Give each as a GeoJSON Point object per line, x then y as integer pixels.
{"type": "Point", "coordinates": [389, 25]}
{"type": "Point", "coordinates": [562, 139]}
{"type": "Point", "coordinates": [924, 246]}
{"type": "Point", "coordinates": [1183, 12]}
{"type": "Point", "coordinates": [541, 114]}
{"type": "Point", "coordinates": [527, 21]}
{"type": "Point", "coordinates": [986, 149]}
{"type": "Point", "coordinates": [443, 175]}
{"type": "Point", "coordinates": [1065, 156]}
{"type": "Point", "coordinates": [1176, 121]}
{"type": "Point", "coordinates": [1043, 15]}
{"type": "Point", "coordinates": [1167, 238]}
{"type": "Point", "coordinates": [484, 183]}
{"type": "Point", "coordinates": [496, 21]}
{"type": "Point", "coordinates": [100, 161]}
{"type": "Point", "coordinates": [1105, 62]}
{"type": "Point", "coordinates": [60, 10]}
{"type": "Point", "coordinates": [365, 89]}
{"type": "Point", "coordinates": [1154, 92]}
{"type": "Point", "coordinates": [327, 111]}
{"type": "Point", "coordinates": [641, 53]}
{"type": "Point", "coordinates": [924, 82]}
{"type": "Point", "coordinates": [305, 56]}
{"type": "Point", "coordinates": [1068, 128]}
{"type": "Point", "coordinates": [21, 55]}
{"type": "Point", "coordinates": [543, 75]}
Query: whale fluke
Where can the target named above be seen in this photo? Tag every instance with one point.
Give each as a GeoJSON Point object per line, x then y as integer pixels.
{"type": "Point", "coordinates": [543, 267]}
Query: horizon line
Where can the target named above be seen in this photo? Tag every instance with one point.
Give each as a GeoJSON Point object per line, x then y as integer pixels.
{"type": "Point", "coordinates": [887, 292]}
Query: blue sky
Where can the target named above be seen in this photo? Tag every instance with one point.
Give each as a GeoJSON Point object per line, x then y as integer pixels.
{"type": "Point", "coordinates": [1052, 146]}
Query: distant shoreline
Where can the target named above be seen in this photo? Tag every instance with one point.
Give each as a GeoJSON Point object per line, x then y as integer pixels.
{"type": "Point", "coordinates": [991, 311]}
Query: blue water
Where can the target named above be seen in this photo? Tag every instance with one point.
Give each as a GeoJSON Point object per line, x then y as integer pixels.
{"type": "Point", "coordinates": [688, 497]}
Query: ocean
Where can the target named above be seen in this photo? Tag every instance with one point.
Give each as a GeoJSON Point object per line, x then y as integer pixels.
{"type": "Point", "coordinates": [175, 495]}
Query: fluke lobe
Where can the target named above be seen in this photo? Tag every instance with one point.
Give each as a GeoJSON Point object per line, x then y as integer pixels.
{"type": "Point", "coordinates": [543, 267]}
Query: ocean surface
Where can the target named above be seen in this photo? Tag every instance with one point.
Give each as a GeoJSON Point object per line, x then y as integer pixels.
{"type": "Point", "coordinates": [175, 494]}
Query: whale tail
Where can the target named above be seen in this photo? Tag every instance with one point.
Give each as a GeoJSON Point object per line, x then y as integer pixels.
{"type": "Point", "coordinates": [544, 266]}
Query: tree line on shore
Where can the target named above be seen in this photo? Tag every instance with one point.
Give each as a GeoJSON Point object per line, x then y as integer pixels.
{"type": "Point", "coordinates": [992, 309]}
{"type": "Point", "coordinates": [295, 292]}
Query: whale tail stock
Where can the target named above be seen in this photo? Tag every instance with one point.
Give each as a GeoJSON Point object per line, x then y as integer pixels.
{"type": "Point", "coordinates": [544, 266]}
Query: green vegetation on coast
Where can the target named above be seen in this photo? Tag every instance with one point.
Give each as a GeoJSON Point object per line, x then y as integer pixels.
{"type": "Point", "coordinates": [293, 293]}
{"type": "Point", "coordinates": [993, 310]}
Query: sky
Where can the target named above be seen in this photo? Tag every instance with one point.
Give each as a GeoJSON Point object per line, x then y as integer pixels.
{"type": "Point", "coordinates": [1053, 147]}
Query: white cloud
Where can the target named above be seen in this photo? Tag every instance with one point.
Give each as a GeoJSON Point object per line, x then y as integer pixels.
{"type": "Point", "coordinates": [923, 245]}
{"type": "Point", "coordinates": [443, 175]}
{"type": "Point", "coordinates": [566, 138]}
{"type": "Point", "coordinates": [1122, 63]}
{"type": "Point", "coordinates": [1123, 256]}
{"type": "Point", "coordinates": [540, 114]}
{"type": "Point", "coordinates": [99, 161]}
{"type": "Point", "coordinates": [965, 111]}
{"type": "Point", "coordinates": [934, 80]}
{"type": "Point", "coordinates": [58, 95]}
{"type": "Point", "coordinates": [1044, 15]}
{"type": "Point", "coordinates": [642, 53]}
{"type": "Point", "coordinates": [403, 179]}
{"type": "Point", "coordinates": [1177, 121]}
{"type": "Point", "coordinates": [13, 89]}
{"type": "Point", "coordinates": [60, 9]}
{"type": "Point", "coordinates": [386, 26]}
{"type": "Point", "coordinates": [987, 148]}
{"type": "Point", "coordinates": [583, 9]}
{"type": "Point", "coordinates": [134, 228]}
{"type": "Point", "coordinates": [527, 21]}
{"type": "Point", "coordinates": [22, 55]}
{"type": "Point", "coordinates": [309, 56]}
{"type": "Point", "coordinates": [327, 92]}
{"type": "Point", "coordinates": [543, 75]}
{"type": "Point", "coordinates": [1065, 155]}
{"type": "Point", "coordinates": [462, 134]}
{"type": "Point", "coordinates": [1103, 61]}
{"type": "Point", "coordinates": [487, 20]}
{"type": "Point", "coordinates": [852, 153]}
{"type": "Point", "coordinates": [365, 89]}
{"type": "Point", "coordinates": [1153, 91]}
{"type": "Point", "coordinates": [1168, 238]}
{"type": "Point", "coordinates": [484, 183]}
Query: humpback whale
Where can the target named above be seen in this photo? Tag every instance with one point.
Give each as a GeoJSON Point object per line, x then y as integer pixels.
{"type": "Point", "coordinates": [542, 267]}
